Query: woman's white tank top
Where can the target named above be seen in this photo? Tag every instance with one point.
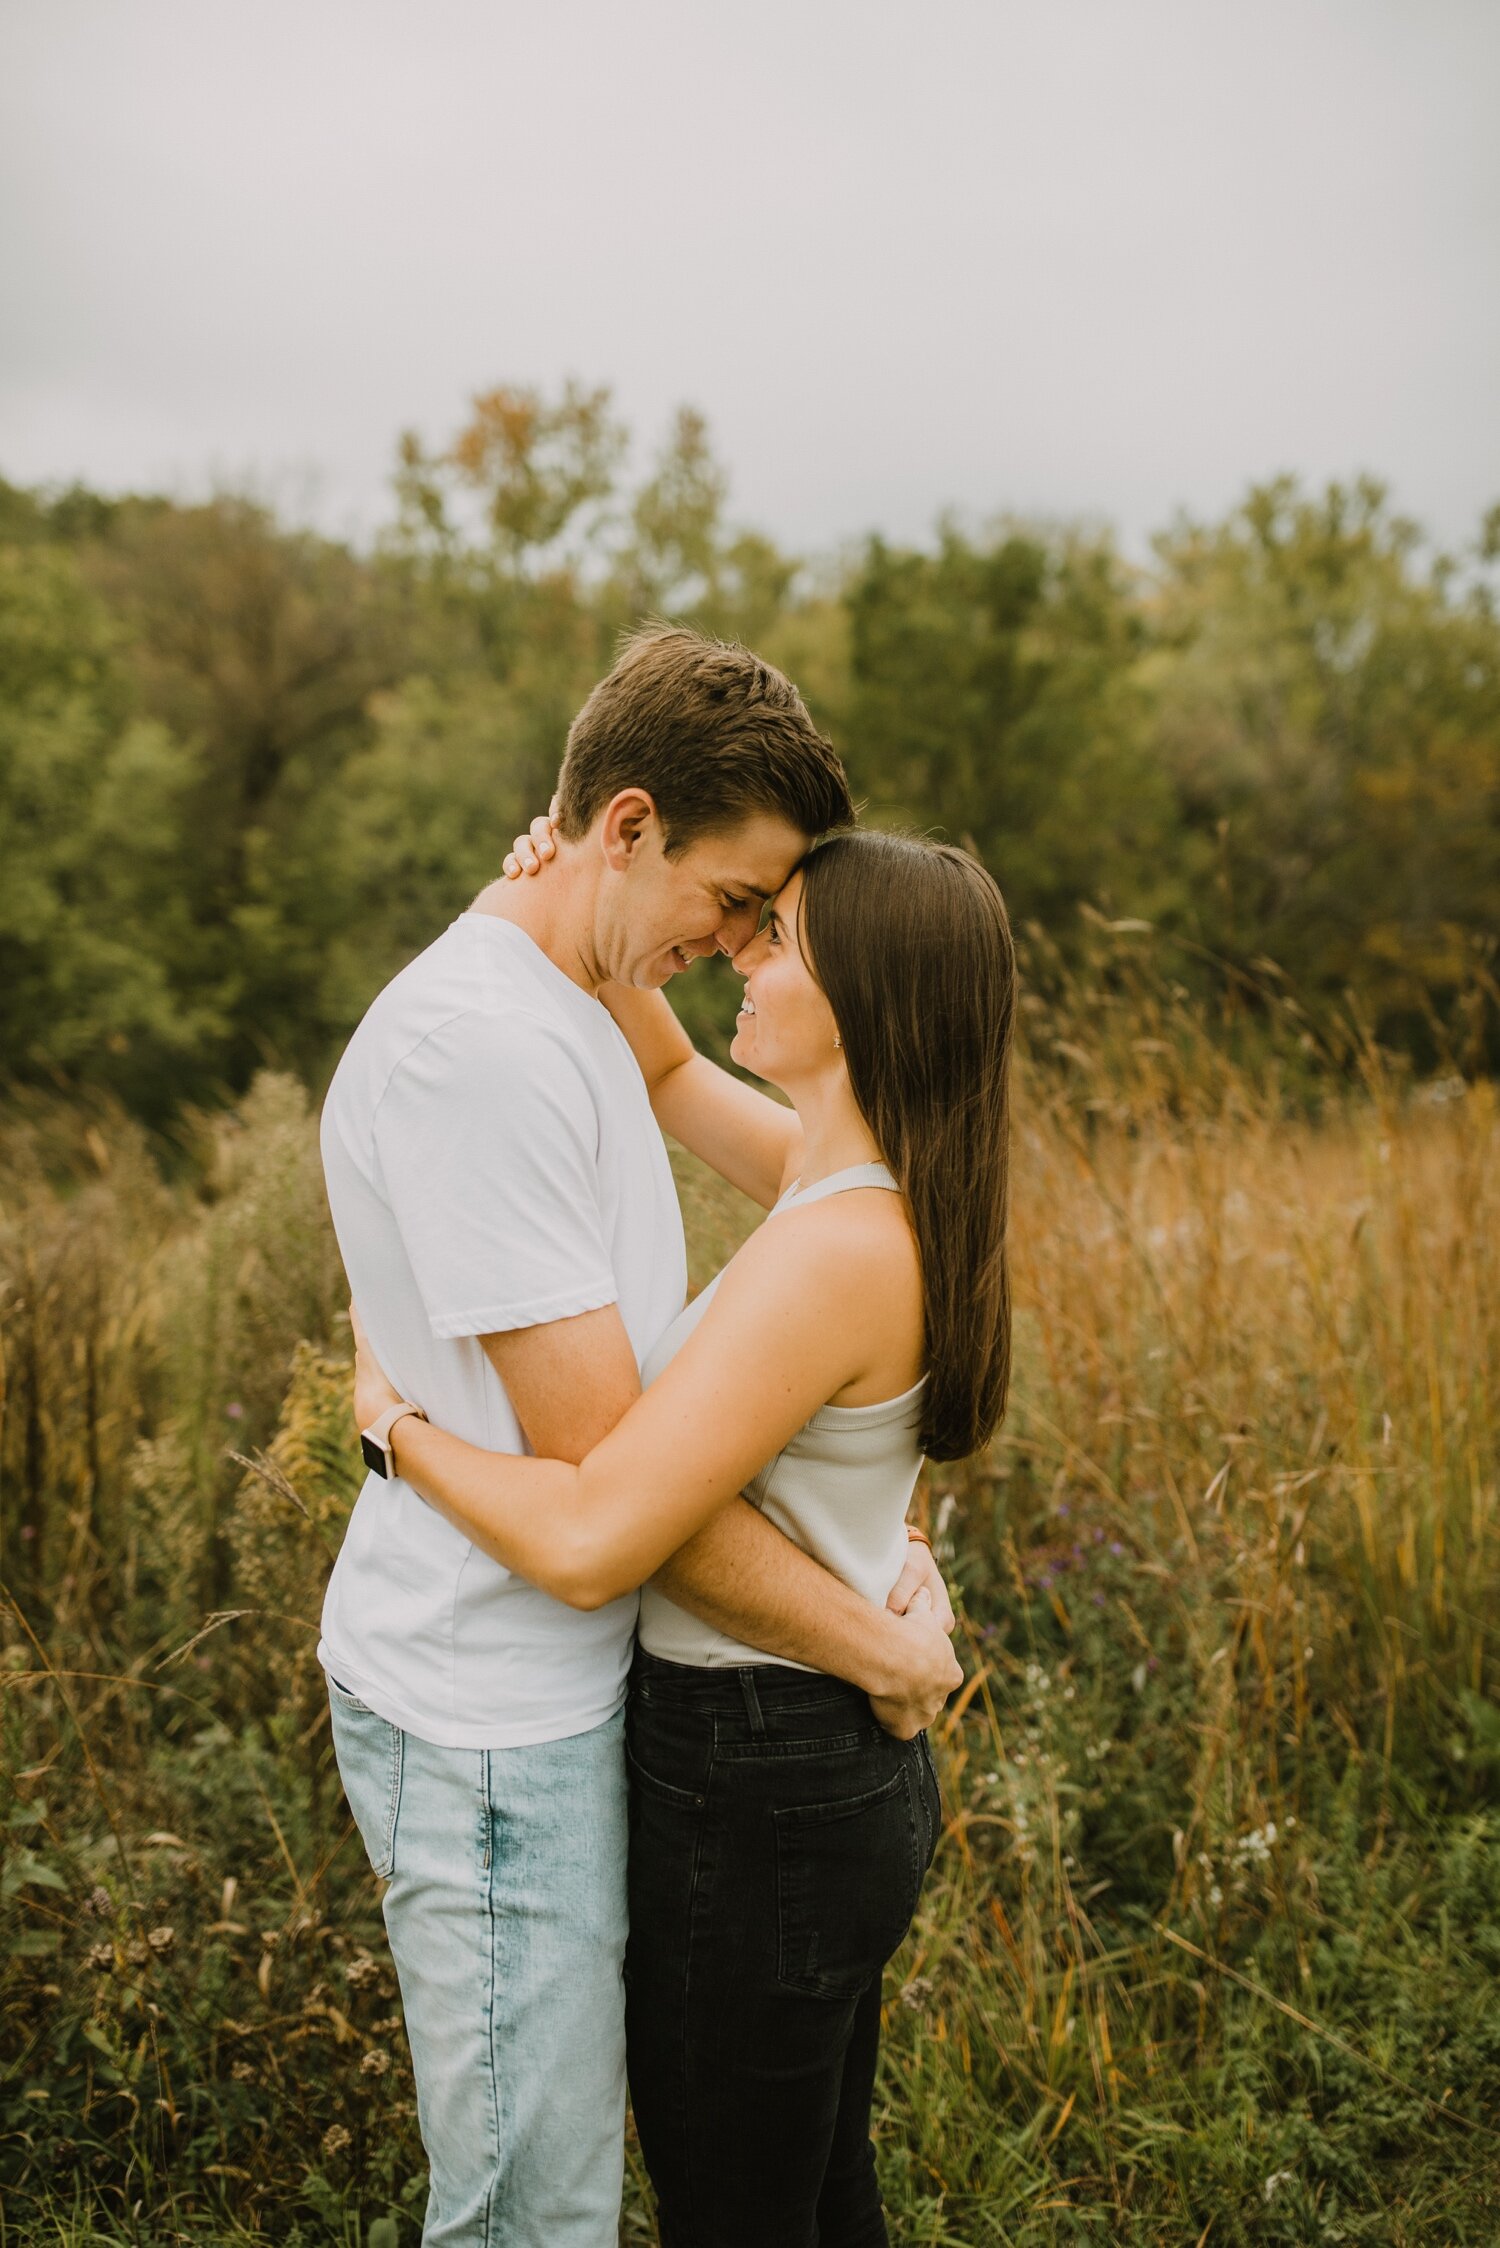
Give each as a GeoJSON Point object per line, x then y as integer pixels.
{"type": "Point", "coordinates": [840, 1489]}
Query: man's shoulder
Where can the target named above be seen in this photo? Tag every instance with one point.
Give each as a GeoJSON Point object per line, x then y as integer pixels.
{"type": "Point", "coordinates": [472, 1052]}
{"type": "Point", "coordinates": [446, 1008]}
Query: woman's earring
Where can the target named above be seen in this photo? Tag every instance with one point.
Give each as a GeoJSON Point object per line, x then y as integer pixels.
{"type": "Point", "coordinates": [838, 1043]}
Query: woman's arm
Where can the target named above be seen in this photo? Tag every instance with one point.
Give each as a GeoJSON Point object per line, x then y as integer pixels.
{"type": "Point", "coordinates": [748, 1138]}
{"type": "Point", "coordinates": [793, 1321]}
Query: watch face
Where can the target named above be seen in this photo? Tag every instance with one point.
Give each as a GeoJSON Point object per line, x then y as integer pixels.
{"type": "Point", "coordinates": [374, 1456]}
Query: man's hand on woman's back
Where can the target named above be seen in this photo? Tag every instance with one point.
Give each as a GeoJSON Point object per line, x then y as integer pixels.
{"type": "Point", "coordinates": [922, 1574]}
{"type": "Point", "coordinates": [924, 1671]}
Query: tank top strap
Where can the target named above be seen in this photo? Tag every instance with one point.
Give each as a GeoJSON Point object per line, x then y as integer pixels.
{"type": "Point", "coordinates": [839, 1182]}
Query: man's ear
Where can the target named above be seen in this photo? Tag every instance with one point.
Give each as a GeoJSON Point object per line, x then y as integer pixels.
{"type": "Point", "coordinates": [630, 820]}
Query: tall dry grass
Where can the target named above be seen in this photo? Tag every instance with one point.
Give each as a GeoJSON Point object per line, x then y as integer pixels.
{"type": "Point", "coordinates": [1209, 1950]}
{"type": "Point", "coordinates": [1232, 1576]}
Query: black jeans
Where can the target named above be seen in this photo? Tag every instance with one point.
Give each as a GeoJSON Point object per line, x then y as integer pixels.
{"type": "Point", "coordinates": [778, 1840]}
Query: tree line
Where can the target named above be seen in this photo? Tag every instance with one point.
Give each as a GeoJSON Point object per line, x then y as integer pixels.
{"type": "Point", "coordinates": [246, 770]}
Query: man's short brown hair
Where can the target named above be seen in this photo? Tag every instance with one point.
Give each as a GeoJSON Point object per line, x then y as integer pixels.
{"type": "Point", "coordinates": [712, 732]}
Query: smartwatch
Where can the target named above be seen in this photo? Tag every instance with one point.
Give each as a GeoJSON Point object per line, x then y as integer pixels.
{"type": "Point", "coordinates": [375, 1441]}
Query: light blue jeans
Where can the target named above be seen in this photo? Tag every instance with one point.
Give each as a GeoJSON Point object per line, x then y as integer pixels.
{"type": "Point", "coordinates": [506, 1916]}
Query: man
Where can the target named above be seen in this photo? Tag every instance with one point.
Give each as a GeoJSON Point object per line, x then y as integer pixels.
{"type": "Point", "coordinates": [511, 1234]}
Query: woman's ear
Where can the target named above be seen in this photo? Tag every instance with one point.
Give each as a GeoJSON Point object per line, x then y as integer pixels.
{"type": "Point", "coordinates": [629, 820]}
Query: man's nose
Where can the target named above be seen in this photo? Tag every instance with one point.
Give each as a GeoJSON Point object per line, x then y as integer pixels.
{"type": "Point", "coordinates": [737, 930]}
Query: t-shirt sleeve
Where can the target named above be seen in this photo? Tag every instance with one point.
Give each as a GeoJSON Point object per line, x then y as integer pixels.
{"type": "Point", "coordinates": [487, 1140]}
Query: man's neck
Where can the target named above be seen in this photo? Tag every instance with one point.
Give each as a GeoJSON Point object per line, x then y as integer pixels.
{"type": "Point", "coordinates": [556, 910]}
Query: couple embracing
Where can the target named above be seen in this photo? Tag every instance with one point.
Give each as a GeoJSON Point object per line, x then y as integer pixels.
{"type": "Point", "coordinates": [629, 1649]}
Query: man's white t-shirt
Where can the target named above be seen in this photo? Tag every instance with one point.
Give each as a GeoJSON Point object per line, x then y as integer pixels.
{"type": "Point", "coordinates": [492, 1162]}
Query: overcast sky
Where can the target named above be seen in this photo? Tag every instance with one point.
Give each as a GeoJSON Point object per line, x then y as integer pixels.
{"type": "Point", "coordinates": [1100, 257]}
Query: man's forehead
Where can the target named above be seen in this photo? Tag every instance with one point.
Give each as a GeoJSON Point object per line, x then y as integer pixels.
{"type": "Point", "coordinates": [755, 859]}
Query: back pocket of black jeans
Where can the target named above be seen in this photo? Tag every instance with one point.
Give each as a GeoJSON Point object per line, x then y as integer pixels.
{"type": "Point", "coordinates": [847, 1876]}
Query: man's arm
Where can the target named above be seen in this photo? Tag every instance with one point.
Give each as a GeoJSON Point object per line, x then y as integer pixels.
{"type": "Point", "coordinates": [570, 1381]}
{"type": "Point", "coordinates": [741, 1575]}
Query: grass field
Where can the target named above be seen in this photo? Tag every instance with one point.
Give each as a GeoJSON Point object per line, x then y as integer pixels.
{"type": "Point", "coordinates": [1211, 1949]}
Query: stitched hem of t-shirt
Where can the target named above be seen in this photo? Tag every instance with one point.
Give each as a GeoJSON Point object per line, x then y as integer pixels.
{"type": "Point", "coordinates": [499, 1319]}
{"type": "Point", "coordinates": [531, 1731]}
{"type": "Point", "coordinates": [703, 1648]}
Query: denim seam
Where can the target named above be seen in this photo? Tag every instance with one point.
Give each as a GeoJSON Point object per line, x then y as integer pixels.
{"type": "Point", "coordinates": [934, 1820]}
{"type": "Point", "coordinates": [688, 2168]}
{"type": "Point", "coordinates": [393, 1802]}
{"type": "Point", "coordinates": [839, 1807]}
{"type": "Point", "coordinates": [783, 1752]}
{"type": "Point", "coordinates": [487, 1872]}
{"type": "Point", "coordinates": [753, 1717]}
{"type": "Point", "coordinates": [818, 1692]}
{"type": "Point", "coordinates": [916, 1831]}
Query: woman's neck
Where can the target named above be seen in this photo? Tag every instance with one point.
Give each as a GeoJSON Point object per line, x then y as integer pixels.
{"type": "Point", "coordinates": [835, 1137]}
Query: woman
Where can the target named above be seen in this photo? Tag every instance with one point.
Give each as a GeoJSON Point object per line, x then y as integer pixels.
{"type": "Point", "coordinates": [779, 1836]}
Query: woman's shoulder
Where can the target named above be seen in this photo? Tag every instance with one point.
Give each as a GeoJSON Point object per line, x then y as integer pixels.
{"type": "Point", "coordinates": [841, 1246]}
{"type": "Point", "coordinates": [832, 1290]}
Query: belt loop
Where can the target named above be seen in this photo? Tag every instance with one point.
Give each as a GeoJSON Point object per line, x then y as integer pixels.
{"type": "Point", "coordinates": [752, 1704]}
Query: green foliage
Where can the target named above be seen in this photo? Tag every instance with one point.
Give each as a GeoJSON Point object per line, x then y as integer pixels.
{"type": "Point", "coordinates": [1331, 715]}
{"type": "Point", "coordinates": [91, 805]}
{"type": "Point", "coordinates": [534, 468]}
{"type": "Point", "coordinates": [994, 696]}
{"type": "Point", "coordinates": [174, 693]}
{"type": "Point", "coordinates": [259, 649]}
{"type": "Point", "coordinates": [412, 823]}
{"type": "Point", "coordinates": [245, 773]}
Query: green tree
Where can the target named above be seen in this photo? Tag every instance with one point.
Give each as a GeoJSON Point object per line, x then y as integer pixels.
{"type": "Point", "coordinates": [680, 559]}
{"type": "Point", "coordinates": [670, 563]}
{"type": "Point", "coordinates": [258, 649]}
{"type": "Point", "coordinates": [94, 815]}
{"type": "Point", "coordinates": [536, 470]}
{"type": "Point", "coordinates": [994, 696]}
{"type": "Point", "coordinates": [1328, 702]}
{"type": "Point", "coordinates": [422, 817]}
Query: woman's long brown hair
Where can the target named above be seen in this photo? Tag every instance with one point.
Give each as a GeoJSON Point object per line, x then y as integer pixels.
{"type": "Point", "coordinates": [911, 945]}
